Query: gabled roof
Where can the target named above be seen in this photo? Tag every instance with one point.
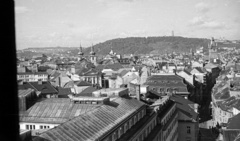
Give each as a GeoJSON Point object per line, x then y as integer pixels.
{"type": "Point", "coordinates": [95, 123]}
{"type": "Point", "coordinates": [184, 106]}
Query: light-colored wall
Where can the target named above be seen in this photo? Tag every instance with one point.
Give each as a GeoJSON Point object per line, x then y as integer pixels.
{"type": "Point", "coordinates": [37, 125]}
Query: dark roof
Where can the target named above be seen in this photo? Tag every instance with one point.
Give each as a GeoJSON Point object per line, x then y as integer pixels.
{"type": "Point", "coordinates": [234, 122]}
{"type": "Point", "coordinates": [201, 70]}
{"type": "Point", "coordinates": [95, 123]}
{"type": "Point", "coordinates": [83, 83]}
{"type": "Point", "coordinates": [44, 88]}
{"type": "Point", "coordinates": [64, 91]}
{"type": "Point", "coordinates": [54, 110]}
{"type": "Point", "coordinates": [87, 92]}
{"type": "Point", "coordinates": [184, 105]}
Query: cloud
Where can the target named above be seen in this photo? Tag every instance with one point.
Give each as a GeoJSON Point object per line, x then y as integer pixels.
{"type": "Point", "coordinates": [214, 25]}
{"type": "Point", "coordinates": [21, 9]}
{"type": "Point", "coordinates": [202, 7]}
{"type": "Point", "coordinates": [197, 21]}
{"type": "Point", "coordinates": [206, 23]}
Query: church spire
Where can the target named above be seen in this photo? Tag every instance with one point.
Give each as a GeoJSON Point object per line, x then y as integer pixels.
{"type": "Point", "coordinates": [80, 51]}
{"type": "Point", "coordinates": [92, 51]}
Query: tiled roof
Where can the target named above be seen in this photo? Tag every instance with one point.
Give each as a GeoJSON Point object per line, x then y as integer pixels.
{"type": "Point", "coordinates": [94, 124]}
{"type": "Point", "coordinates": [54, 110]}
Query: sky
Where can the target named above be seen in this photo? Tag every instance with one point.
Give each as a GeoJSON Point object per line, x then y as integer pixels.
{"type": "Point", "coordinates": [69, 23]}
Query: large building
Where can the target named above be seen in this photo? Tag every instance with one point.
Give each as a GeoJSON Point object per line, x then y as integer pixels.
{"type": "Point", "coordinates": [120, 119]}
{"type": "Point", "coordinates": [167, 84]}
{"type": "Point", "coordinates": [48, 113]}
{"type": "Point", "coordinates": [32, 76]}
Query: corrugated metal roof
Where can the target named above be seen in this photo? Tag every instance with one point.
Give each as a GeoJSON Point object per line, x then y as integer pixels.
{"type": "Point", "coordinates": [54, 110]}
{"type": "Point", "coordinates": [95, 123]}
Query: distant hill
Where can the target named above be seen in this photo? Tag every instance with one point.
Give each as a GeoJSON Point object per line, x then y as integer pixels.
{"type": "Point", "coordinates": [139, 45]}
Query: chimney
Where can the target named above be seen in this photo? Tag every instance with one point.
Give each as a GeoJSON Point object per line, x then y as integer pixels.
{"type": "Point", "coordinates": [196, 107]}
{"type": "Point", "coordinates": [39, 82]}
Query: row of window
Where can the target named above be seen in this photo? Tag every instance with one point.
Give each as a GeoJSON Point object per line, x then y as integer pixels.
{"type": "Point", "coordinates": [30, 127]}
{"type": "Point", "coordinates": [33, 127]}
{"type": "Point", "coordinates": [27, 76]}
{"type": "Point", "coordinates": [33, 80]}
{"type": "Point", "coordinates": [147, 131]}
{"type": "Point", "coordinates": [168, 116]}
{"type": "Point", "coordinates": [170, 129]}
{"type": "Point", "coordinates": [123, 129]}
{"type": "Point", "coordinates": [165, 89]}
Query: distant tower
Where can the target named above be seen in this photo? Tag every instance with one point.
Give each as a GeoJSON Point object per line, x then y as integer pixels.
{"type": "Point", "coordinates": [173, 33]}
{"type": "Point", "coordinates": [92, 56]}
{"type": "Point", "coordinates": [80, 53]}
{"type": "Point", "coordinates": [212, 47]}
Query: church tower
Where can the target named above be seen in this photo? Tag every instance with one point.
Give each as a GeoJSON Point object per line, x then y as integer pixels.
{"type": "Point", "coordinates": [80, 53]}
{"type": "Point", "coordinates": [212, 47]}
{"type": "Point", "coordinates": [93, 58]}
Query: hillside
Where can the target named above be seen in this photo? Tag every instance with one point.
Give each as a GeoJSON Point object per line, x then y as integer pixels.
{"type": "Point", "coordinates": [138, 45]}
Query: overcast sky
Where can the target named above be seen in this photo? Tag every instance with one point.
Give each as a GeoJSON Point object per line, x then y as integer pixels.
{"type": "Point", "coordinates": [49, 23]}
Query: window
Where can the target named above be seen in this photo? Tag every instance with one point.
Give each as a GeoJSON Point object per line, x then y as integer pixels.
{"type": "Point", "coordinates": [41, 127]}
{"type": "Point", "coordinates": [139, 116]}
{"type": "Point", "coordinates": [143, 113]}
{"type": "Point", "coordinates": [188, 129]}
{"type": "Point", "coordinates": [27, 126]}
{"type": "Point", "coordinates": [125, 128]}
{"type": "Point", "coordinates": [130, 123]}
{"type": "Point", "coordinates": [135, 119]}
